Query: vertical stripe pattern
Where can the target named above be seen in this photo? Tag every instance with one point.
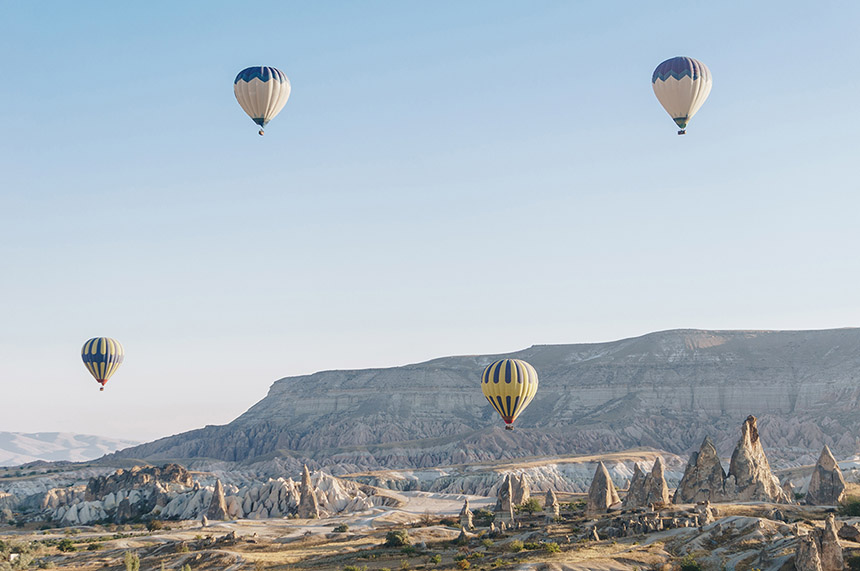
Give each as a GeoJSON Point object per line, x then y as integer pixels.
{"type": "Point", "coordinates": [509, 385]}
{"type": "Point", "coordinates": [682, 85]}
{"type": "Point", "coordinates": [262, 92]}
{"type": "Point", "coordinates": [102, 356]}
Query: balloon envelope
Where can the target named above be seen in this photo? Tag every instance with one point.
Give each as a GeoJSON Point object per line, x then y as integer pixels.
{"type": "Point", "coordinates": [509, 385]}
{"type": "Point", "coordinates": [262, 92]}
{"type": "Point", "coordinates": [102, 356]}
{"type": "Point", "coordinates": [681, 85]}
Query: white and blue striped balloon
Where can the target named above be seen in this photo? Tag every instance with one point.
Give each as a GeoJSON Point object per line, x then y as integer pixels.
{"type": "Point", "coordinates": [681, 85]}
{"type": "Point", "coordinates": [262, 92]}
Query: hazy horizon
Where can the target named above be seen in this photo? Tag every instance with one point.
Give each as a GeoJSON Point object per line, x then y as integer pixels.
{"type": "Point", "coordinates": [446, 178]}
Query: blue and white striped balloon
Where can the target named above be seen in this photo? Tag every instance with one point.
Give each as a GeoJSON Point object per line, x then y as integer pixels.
{"type": "Point", "coordinates": [262, 92]}
{"type": "Point", "coordinates": [681, 85]}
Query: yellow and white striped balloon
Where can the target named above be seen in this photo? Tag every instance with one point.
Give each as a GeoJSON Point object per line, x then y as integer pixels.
{"type": "Point", "coordinates": [102, 356]}
{"type": "Point", "coordinates": [509, 385]}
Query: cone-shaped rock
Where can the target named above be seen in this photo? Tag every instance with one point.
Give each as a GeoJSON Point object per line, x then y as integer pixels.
{"type": "Point", "coordinates": [601, 494]}
{"type": "Point", "coordinates": [218, 506]}
{"type": "Point", "coordinates": [750, 477]}
{"type": "Point", "coordinates": [504, 506]}
{"type": "Point", "coordinates": [806, 556]}
{"type": "Point", "coordinates": [520, 491]}
{"type": "Point", "coordinates": [308, 506]}
{"type": "Point", "coordinates": [830, 550]}
{"type": "Point", "coordinates": [704, 478]}
{"type": "Point", "coordinates": [826, 486]}
{"type": "Point", "coordinates": [634, 498]}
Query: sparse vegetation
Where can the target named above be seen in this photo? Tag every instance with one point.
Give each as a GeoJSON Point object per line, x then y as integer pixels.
{"type": "Point", "coordinates": [66, 545]}
{"type": "Point", "coordinates": [515, 546]}
{"type": "Point", "coordinates": [850, 506]}
{"type": "Point", "coordinates": [398, 538]}
{"type": "Point", "coordinates": [531, 506]}
{"type": "Point", "coordinates": [689, 563]}
{"type": "Point", "coordinates": [354, 568]}
{"type": "Point", "coordinates": [131, 561]}
{"type": "Point", "coordinates": [854, 563]}
{"type": "Point", "coordinates": [342, 528]}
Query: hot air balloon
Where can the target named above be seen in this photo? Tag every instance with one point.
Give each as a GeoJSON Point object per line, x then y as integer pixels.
{"type": "Point", "coordinates": [681, 85]}
{"type": "Point", "coordinates": [509, 385]}
{"type": "Point", "coordinates": [102, 357]}
{"type": "Point", "coordinates": [262, 92]}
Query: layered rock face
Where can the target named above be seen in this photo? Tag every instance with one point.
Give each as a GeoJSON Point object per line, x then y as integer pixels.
{"type": "Point", "coordinates": [602, 494]}
{"type": "Point", "coordinates": [665, 390]}
{"type": "Point", "coordinates": [750, 477]}
{"type": "Point", "coordinates": [826, 485]}
{"type": "Point", "coordinates": [103, 499]}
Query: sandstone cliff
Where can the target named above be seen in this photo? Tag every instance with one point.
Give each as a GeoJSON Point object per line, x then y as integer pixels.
{"type": "Point", "coordinates": [665, 390]}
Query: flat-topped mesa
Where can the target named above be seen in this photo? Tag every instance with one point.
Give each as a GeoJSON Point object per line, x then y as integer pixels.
{"type": "Point", "coordinates": [601, 494]}
{"type": "Point", "coordinates": [704, 478]}
{"type": "Point", "coordinates": [166, 477]}
{"type": "Point", "coordinates": [826, 485]}
{"type": "Point", "coordinates": [647, 489]}
{"type": "Point", "coordinates": [750, 477]}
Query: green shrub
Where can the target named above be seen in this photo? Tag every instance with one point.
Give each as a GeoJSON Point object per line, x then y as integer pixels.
{"type": "Point", "coordinates": [463, 564]}
{"type": "Point", "coordinates": [154, 525]}
{"type": "Point", "coordinates": [95, 546]}
{"type": "Point", "coordinates": [436, 559]}
{"type": "Point", "coordinates": [66, 545]}
{"type": "Point", "coordinates": [531, 506]}
{"type": "Point", "coordinates": [689, 563]}
{"type": "Point", "coordinates": [354, 568]}
{"type": "Point", "coordinates": [552, 547]}
{"type": "Point", "coordinates": [532, 545]}
{"type": "Point", "coordinates": [397, 538]}
{"type": "Point", "coordinates": [515, 546]}
{"type": "Point", "coordinates": [342, 528]}
{"type": "Point", "coordinates": [131, 561]}
{"type": "Point", "coordinates": [488, 543]}
{"type": "Point", "coordinates": [854, 563]}
{"type": "Point", "coordinates": [483, 517]}
{"type": "Point", "coordinates": [850, 506]}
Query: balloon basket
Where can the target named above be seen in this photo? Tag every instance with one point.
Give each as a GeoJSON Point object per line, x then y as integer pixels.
{"type": "Point", "coordinates": [682, 132]}
{"type": "Point", "coordinates": [509, 427]}
{"type": "Point", "coordinates": [101, 389]}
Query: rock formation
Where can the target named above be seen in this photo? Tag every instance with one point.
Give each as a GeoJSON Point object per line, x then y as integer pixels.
{"type": "Point", "coordinates": [806, 556]}
{"type": "Point", "coordinates": [634, 499]}
{"type": "Point", "coordinates": [750, 477]}
{"type": "Point", "coordinates": [466, 516]}
{"type": "Point", "coordinates": [649, 489]}
{"type": "Point", "coordinates": [217, 506]}
{"type": "Point", "coordinates": [520, 492]}
{"type": "Point", "coordinates": [679, 384]}
{"type": "Point", "coordinates": [504, 505]}
{"type": "Point", "coordinates": [826, 485]}
{"type": "Point", "coordinates": [830, 551]}
{"type": "Point", "coordinates": [550, 507]}
{"type": "Point", "coordinates": [308, 506]}
{"type": "Point", "coordinates": [704, 478]}
{"type": "Point", "coordinates": [601, 494]}
{"type": "Point", "coordinates": [170, 475]}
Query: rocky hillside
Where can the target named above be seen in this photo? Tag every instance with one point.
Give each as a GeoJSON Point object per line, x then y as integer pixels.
{"type": "Point", "coordinates": [665, 390]}
{"type": "Point", "coordinates": [21, 448]}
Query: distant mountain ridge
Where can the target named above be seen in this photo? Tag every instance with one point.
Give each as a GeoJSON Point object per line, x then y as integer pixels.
{"type": "Point", "coordinates": [666, 390]}
{"type": "Point", "coordinates": [21, 448]}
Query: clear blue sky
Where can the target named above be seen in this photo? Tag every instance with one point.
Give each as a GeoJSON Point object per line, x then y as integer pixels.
{"type": "Point", "coordinates": [447, 178]}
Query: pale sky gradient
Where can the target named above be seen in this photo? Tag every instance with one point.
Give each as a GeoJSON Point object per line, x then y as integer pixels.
{"type": "Point", "coordinates": [448, 177]}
